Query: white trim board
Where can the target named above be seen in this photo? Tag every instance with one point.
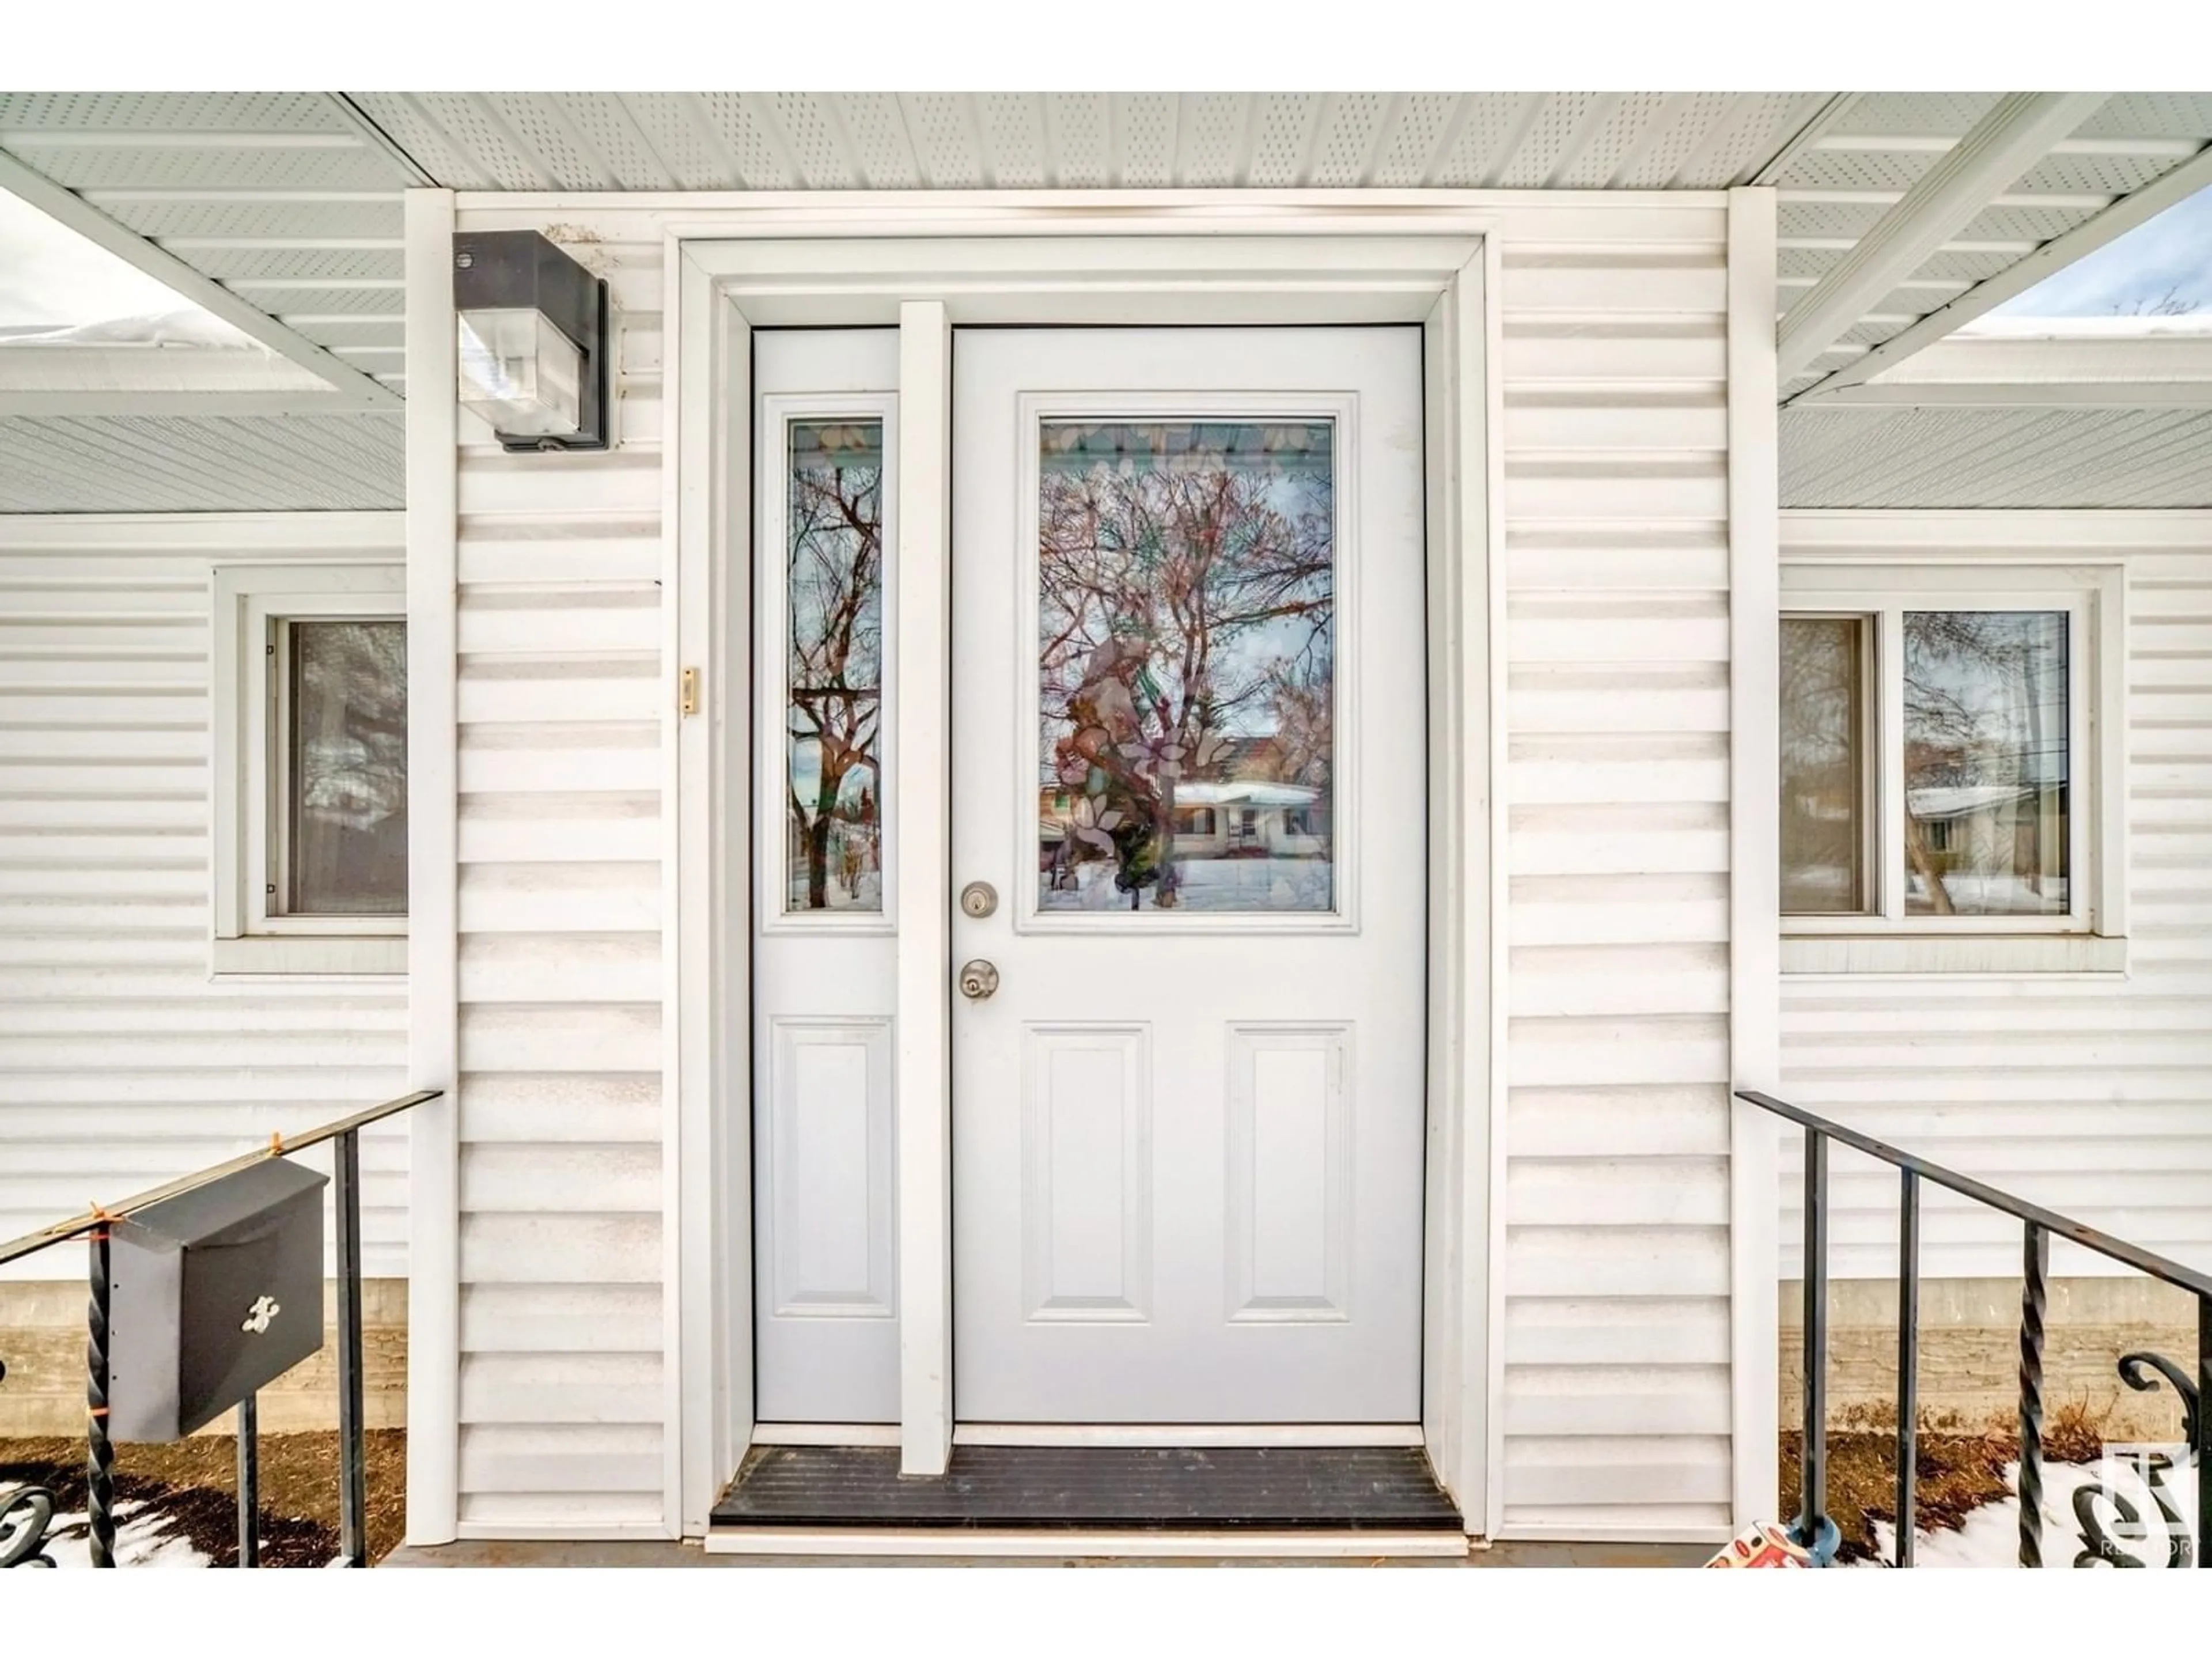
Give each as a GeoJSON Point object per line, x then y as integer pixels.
{"type": "Point", "coordinates": [434, 1249]}
{"type": "Point", "coordinates": [706, 215]}
{"type": "Point", "coordinates": [2001, 535]}
{"type": "Point", "coordinates": [1363, 272]}
{"type": "Point", "coordinates": [1328, 1435]}
{"type": "Point", "coordinates": [281, 536]}
{"type": "Point", "coordinates": [2109, 371]}
{"type": "Point", "coordinates": [954, 1543]}
{"type": "Point", "coordinates": [1754, 771]}
{"type": "Point", "coordinates": [825, 1434]}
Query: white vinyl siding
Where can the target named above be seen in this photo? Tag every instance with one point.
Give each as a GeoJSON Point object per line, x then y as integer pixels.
{"type": "Point", "coordinates": [2090, 1093]}
{"type": "Point", "coordinates": [123, 1062]}
{"type": "Point", "coordinates": [1616, 1404]}
{"type": "Point", "coordinates": [1613, 1243]}
{"type": "Point", "coordinates": [560, 980]}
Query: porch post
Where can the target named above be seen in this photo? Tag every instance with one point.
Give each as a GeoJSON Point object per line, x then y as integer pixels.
{"type": "Point", "coordinates": [433, 1247]}
{"type": "Point", "coordinates": [1754, 920]}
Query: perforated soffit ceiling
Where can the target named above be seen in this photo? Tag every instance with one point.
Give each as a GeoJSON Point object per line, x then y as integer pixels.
{"type": "Point", "coordinates": [292, 199]}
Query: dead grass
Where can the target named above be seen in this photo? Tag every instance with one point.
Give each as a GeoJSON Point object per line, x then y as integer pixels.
{"type": "Point", "coordinates": [1958, 1467]}
{"type": "Point", "coordinates": [195, 1482]}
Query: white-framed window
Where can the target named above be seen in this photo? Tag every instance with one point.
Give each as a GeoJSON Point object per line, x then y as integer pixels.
{"type": "Point", "coordinates": [311, 769]}
{"type": "Point", "coordinates": [1951, 768]}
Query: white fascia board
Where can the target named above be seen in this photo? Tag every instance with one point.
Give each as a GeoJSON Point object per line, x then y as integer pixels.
{"type": "Point", "coordinates": [249, 534]}
{"type": "Point", "coordinates": [2165, 371]}
{"type": "Point", "coordinates": [1882, 534]}
{"type": "Point", "coordinates": [2003, 145]}
{"type": "Point", "coordinates": [68, 405]}
{"type": "Point", "coordinates": [64, 381]}
{"type": "Point", "coordinates": [194, 286]}
{"type": "Point", "coordinates": [2123, 215]}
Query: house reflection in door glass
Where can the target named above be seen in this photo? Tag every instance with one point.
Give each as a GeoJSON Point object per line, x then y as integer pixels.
{"type": "Point", "coordinates": [1187, 661]}
{"type": "Point", "coordinates": [1985, 763]}
{"type": "Point", "coordinates": [833, 802]}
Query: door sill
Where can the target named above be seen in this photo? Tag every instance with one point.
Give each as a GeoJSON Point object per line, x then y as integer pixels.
{"type": "Point", "coordinates": [1083, 1543]}
{"type": "Point", "coordinates": [1151, 1492]}
{"type": "Point", "coordinates": [1185, 1434]}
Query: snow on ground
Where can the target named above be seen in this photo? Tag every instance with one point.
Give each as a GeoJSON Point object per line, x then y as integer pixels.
{"type": "Point", "coordinates": [1990, 1536]}
{"type": "Point", "coordinates": [1206, 884]}
{"type": "Point", "coordinates": [141, 1539]}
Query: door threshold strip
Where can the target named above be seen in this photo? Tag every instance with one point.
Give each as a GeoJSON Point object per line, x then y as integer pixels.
{"type": "Point", "coordinates": [1322, 1436]}
{"type": "Point", "coordinates": [1077, 1544]}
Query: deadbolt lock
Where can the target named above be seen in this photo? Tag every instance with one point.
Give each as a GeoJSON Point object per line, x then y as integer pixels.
{"type": "Point", "coordinates": [978, 979]}
{"type": "Point", "coordinates": [978, 899]}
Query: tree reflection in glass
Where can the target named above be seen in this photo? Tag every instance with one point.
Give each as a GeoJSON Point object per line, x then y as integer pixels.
{"type": "Point", "coordinates": [347, 834]}
{"type": "Point", "coordinates": [1823, 766]}
{"type": "Point", "coordinates": [1986, 762]}
{"type": "Point", "coordinates": [1187, 616]}
{"type": "Point", "coordinates": [835, 665]}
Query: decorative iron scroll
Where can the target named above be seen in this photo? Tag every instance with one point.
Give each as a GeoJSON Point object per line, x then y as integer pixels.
{"type": "Point", "coordinates": [24, 1517]}
{"type": "Point", "coordinates": [2104, 1541]}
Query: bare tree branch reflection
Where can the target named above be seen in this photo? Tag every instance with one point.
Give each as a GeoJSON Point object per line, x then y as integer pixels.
{"type": "Point", "coordinates": [1985, 760]}
{"type": "Point", "coordinates": [1187, 617]}
{"type": "Point", "coordinates": [835, 662]}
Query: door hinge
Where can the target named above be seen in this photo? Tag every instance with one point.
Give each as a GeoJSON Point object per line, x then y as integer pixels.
{"type": "Point", "coordinates": [687, 691]}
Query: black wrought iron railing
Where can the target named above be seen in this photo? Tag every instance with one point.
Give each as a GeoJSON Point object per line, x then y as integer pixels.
{"type": "Point", "coordinates": [1813, 1528]}
{"type": "Point", "coordinates": [26, 1514]}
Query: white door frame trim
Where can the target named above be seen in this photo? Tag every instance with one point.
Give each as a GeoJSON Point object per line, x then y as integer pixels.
{"type": "Point", "coordinates": [927, 265]}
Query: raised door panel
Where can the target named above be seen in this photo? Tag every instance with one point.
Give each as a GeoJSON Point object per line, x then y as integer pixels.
{"type": "Point", "coordinates": [1290, 1173]}
{"type": "Point", "coordinates": [1087, 1175]}
{"type": "Point", "coordinates": [829, 1144]}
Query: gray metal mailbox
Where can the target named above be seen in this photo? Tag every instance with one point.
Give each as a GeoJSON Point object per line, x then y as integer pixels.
{"type": "Point", "coordinates": [214, 1294]}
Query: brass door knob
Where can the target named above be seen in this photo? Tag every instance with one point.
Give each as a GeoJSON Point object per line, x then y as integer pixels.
{"type": "Point", "coordinates": [978, 979]}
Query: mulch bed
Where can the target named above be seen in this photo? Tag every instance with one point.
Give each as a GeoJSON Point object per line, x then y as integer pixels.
{"type": "Point", "coordinates": [1957, 1469]}
{"type": "Point", "coordinates": [194, 1483]}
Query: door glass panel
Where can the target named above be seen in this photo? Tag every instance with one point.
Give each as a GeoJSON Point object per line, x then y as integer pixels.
{"type": "Point", "coordinates": [1187, 666]}
{"type": "Point", "coordinates": [835, 662]}
{"type": "Point", "coordinates": [1985, 763]}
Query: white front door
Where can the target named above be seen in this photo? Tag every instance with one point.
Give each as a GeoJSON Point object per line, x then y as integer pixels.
{"type": "Point", "coordinates": [1188, 696]}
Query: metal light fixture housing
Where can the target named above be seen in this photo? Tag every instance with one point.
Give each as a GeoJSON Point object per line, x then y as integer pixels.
{"type": "Point", "coordinates": [536, 337]}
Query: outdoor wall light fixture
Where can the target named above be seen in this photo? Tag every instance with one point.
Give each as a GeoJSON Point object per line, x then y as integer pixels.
{"type": "Point", "coordinates": [535, 340]}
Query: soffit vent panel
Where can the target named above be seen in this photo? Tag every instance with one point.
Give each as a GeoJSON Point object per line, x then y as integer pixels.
{"type": "Point", "coordinates": [1962, 459]}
